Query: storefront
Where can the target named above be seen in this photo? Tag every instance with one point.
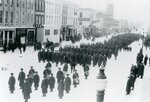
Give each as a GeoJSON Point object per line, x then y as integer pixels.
{"type": "Point", "coordinates": [67, 32]}
{"type": "Point", "coordinates": [6, 35]}
{"type": "Point", "coordinates": [25, 36]}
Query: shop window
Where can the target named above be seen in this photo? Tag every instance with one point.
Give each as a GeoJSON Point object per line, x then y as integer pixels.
{"type": "Point", "coordinates": [80, 23]}
{"type": "Point", "coordinates": [17, 3]}
{"type": "Point", "coordinates": [11, 20]}
{"type": "Point", "coordinates": [6, 18]}
{"type": "Point", "coordinates": [1, 16]}
{"type": "Point", "coordinates": [55, 31]}
{"type": "Point", "coordinates": [11, 2]}
{"type": "Point", "coordinates": [81, 14]}
{"type": "Point", "coordinates": [10, 35]}
{"type": "Point", "coordinates": [47, 32]}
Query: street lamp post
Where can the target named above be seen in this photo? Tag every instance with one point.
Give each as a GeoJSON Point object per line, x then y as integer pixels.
{"type": "Point", "coordinates": [101, 84]}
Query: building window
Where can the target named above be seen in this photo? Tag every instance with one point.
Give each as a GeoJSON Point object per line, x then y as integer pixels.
{"type": "Point", "coordinates": [11, 2]}
{"type": "Point", "coordinates": [1, 16]}
{"type": "Point", "coordinates": [81, 14]}
{"type": "Point", "coordinates": [42, 6]}
{"type": "Point", "coordinates": [17, 17]}
{"type": "Point", "coordinates": [28, 17]}
{"type": "Point", "coordinates": [7, 1]}
{"type": "Point", "coordinates": [80, 23]}
{"type": "Point", "coordinates": [36, 20]}
{"type": "Point", "coordinates": [23, 3]}
{"type": "Point", "coordinates": [23, 18]}
{"type": "Point", "coordinates": [28, 4]}
{"type": "Point", "coordinates": [55, 31]}
{"type": "Point", "coordinates": [37, 4]}
{"type": "Point", "coordinates": [0, 1]}
{"type": "Point", "coordinates": [47, 32]}
{"type": "Point", "coordinates": [39, 19]}
{"type": "Point", "coordinates": [6, 18]}
{"type": "Point", "coordinates": [11, 20]}
{"type": "Point", "coordinates": [17, 3]}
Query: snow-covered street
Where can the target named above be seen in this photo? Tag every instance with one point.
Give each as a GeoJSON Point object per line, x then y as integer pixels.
{"type": "Point", "coordinates": [117, 72]}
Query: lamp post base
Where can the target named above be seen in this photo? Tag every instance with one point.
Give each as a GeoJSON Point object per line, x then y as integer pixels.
{"type": "Point", "coordinates": [100, 96]}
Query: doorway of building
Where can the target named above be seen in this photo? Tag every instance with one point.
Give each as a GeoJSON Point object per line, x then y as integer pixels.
{"type": "Point", "coordinates": [31, 37]}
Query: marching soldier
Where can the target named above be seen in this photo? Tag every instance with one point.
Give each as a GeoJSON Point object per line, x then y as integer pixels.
{"type": "Point", "coordinates": [48, 65]}
{"type": "Point", "coordinates": [130, 84]}
{"type": "Point", "coordinates": [40, 56]}
{"type": "Point", "coordinates": [36, 80]}
{"type": "Point", "coordinates": [61, 88]}
{"type": "Point", "coordinates": [60, 75]}
{"type": "Point", "coordinates": [75, 78]}
{"type": "Point", "coordinates": [44, 86]}
{"type": "Point", "coordinates": [11, 83]}
{"type": "Point", "coordinates": [67, 83]}
{"type": "Point", "coordinates": [26, 90]}
{"type": "Point", "coordinates": [47, 71]}
{"type": "Point", "coordinates": [31, 71]}
{"type": "Point", "coordinates": [52, 82]}
{"type": "Point", "coordinates": [21, 78]}
{"type": "Point", "coordinates": [86, 71]}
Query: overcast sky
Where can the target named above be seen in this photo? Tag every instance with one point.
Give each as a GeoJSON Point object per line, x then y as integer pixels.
{"type": "Point", "coordinates": [133, 10]}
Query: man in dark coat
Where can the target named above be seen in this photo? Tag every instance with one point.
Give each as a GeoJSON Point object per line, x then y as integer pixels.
{"type": "Point", "coordinates": [24, 47]}
{"type": "Point", "coordinates": [86, 71]}
{"type": "Point", "coordinates": [30, 79]}
{"type": "Point", "coordinates": [40, 56]}
{"type": "Point", "coordinates": [44, 86]}
{"type": "Point", "coordinates": [31, 71]}
{"type": "Point", "coordinates": [35, 46]}
{"type": "Point", "coordinates": [67, 83]}
{"type": "Point", "coordinates": [130, 83]}
{"type": "Point", "coordinates": [60, 75]}
{"type": "Point", "coordinates": [36, 80]}
{"type": "Point", "coordinates": [11, 83]}
{"type": "Point", "coordinates": [52, 82]}
{"type": "Point", "coordinates": [141, 70]}
{"type": "Point", "coordinates": [5, 47]}
{"type": "Point", "coordinates": [65, 68]}
{"type": "Point", "coordinates": [145, 60]}
{"type": "Point", "coordinates": [26, 90]}
{"type": "Point", "coordinates": [48, 65]}
{"type": "Point", "coordinates": [75, 78]}
{"type": "Point", "coordinates": [60, 89]}
{"type": "Point", "coordinates": [47, 71]}
{"type": "Point", "coordinates": [21, 78]}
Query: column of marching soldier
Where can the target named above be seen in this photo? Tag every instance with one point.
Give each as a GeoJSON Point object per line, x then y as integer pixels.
{"type": "Point", "coordinates": [137, 71]}
{"type": "Point", "coordinates": [84, 55]}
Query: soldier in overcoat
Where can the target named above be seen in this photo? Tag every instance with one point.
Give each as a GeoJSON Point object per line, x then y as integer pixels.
{"type": "Point", "coordinates": [86, 71]}
{"type": "Point", "coordinates": [48, 65]}
{"type": "Point", "coordinates": [47, 71]}
{"type": "Point", "coordinates": [31, 71]}
{"type": "Point", "coordinates": [67, 83]}
{"type": "Point", "coordinates": [61, 89]}
{"type": "Point", "coordinates": [26, 90]}
{"type": "Point", "coordinates": [11, 83]}
{"type": "Point", "coordinates": [130, 84]}
{"type": "Point", "coordinates": [52, 82]}
{"type": "Point", "coordinates": [75, 78]}
{"type": "Point", "coordinates": [21, 78]}
{"type": "Point", "coordinates": [40, 56]}
{"type": "Point", "coordinates": [44, 86]}
{"type": "Point", "coordinates": [36, 80]}
{"type": "Point", "coordinates": [60, 75]}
